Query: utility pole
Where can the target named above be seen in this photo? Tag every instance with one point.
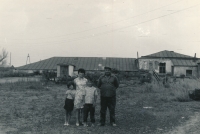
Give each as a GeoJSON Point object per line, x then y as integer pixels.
{"type": "Point", "coordinates": [28, 58]}
{"type": "Point", "coordinates": [137, 55]}
{"type": "Point", "coordinates": [10, 58]}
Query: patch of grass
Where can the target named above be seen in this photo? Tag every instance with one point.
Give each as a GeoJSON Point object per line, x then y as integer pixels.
{"type": "Point", "coordinates": [173, 91]}
{"type": "Point", "coordinates": [23, 85]}
{"type": "Point", "coordinates": [148, 108]}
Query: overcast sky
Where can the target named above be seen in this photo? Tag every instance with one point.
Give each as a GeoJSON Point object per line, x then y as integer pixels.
{"type": "Point", "coordinates": [97, 28]}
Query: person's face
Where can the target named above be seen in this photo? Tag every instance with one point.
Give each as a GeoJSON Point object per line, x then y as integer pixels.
{"type": "Point", "coordinates": [71, 87]}
{"type": "Point", "coordinates": [80, 75]}
{"type": "Point", "coordinates": [89, 84]}
{"type": "Point", "coordinates": [107, 71]}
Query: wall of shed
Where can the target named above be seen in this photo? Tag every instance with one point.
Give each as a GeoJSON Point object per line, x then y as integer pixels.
{"type": "Point", "coordinates": [71, 70]}
{"type": "Point", "coordinates": [65, 70]}
{"type": "Point", "coordinates": [144, 64]}
{"type": "Point", "coordinates": [58, 71]}
{"type": "Point", "coordinates": [182, 70]}
{"type": "Point", "coordinates": [23, 71]}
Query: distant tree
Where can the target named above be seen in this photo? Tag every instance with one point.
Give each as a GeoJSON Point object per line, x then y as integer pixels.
{"type": "Point", "coordinates": [3, 56]}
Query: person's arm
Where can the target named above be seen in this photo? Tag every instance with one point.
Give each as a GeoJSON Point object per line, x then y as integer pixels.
{"type": "Point", "coordinates": [95, 97]}
{"type": "Point", "coordinates": [83, 94]}
{"type": "Point", "coordinates": [83, 99]}
{"type": "Point", "coordinates": [99, 82]}
{"type": "Point", "coordinates": [116, 82]}
{"type": "Point", "coordinates": [66, 93]}
{"type": "Point", "coordinates": [74, 84]}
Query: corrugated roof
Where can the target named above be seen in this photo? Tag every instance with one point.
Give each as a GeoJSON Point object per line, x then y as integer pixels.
{"type": "Point", "coordinates": [167, 54]}
{"type": "Point", "coordinates": [184, 62]}
{"type": "Point", "coordinates": [88, 63]}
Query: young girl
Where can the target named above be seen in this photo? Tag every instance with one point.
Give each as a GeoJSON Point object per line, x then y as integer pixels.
{"type": "Point", "coordinates": [69, 102]}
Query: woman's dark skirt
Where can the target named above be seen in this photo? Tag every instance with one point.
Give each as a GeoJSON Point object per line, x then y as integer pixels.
{"type": "Point", "coordinates": [69, 104]}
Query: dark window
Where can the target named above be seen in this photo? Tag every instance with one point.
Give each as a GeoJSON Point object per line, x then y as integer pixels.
{"type": "Point", "coordinates": [162, 67]}
{"type": "Point", "coordinates": [188, 72]}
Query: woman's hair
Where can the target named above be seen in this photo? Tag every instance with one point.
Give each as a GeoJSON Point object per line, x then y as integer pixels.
{"type": "Point", "coordinates": [81, 70]}
{"type": "Point", "coordinates": [70, 83]}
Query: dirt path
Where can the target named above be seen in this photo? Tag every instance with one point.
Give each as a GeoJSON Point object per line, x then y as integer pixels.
{"type": "Point", "coordinates": [190, 127]}
{"type": "Point", "coordinates": [2, 130]}
{"type": "Point", "coordinates": [5, 130]}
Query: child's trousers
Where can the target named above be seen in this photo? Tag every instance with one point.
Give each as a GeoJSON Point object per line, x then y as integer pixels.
{"type": "Point", "coordinates": [88, 108]}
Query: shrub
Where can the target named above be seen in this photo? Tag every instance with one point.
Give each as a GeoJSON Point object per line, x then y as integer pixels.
{"type": "Point", "coordinates": [48, 75]}
{"type": "Point", "coordinates": [115, 71]}
{"type": "Point", "coordinates": [93, 76]}
{"type": "Point", "coordinates": [123, 76]}
{"type": "Point", "coordinates": [182, 76]}
{"type": "Point", "coordinates": [37, 72]}
{"type": "Point", "coordinates": [174, 92]}
{"type": "Point", "coordinates": [64, 79]}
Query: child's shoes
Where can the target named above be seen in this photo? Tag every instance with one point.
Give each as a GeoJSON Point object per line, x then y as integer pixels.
{"type": "Point", "coordinates": [66, 124]}
{"type": "Point", "coordinates": [114, 124]}
{"type": "Point", "coordinates": [85, 124]}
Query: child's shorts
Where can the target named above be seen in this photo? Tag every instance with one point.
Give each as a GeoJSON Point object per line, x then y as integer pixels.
{"type": "Point", "coordinates": [69, 104]}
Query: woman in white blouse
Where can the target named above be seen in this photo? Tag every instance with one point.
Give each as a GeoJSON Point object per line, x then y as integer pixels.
{"type": "Point", "coordinates": [80, 84]}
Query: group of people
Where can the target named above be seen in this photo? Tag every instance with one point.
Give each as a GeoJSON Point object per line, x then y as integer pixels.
{"type": "Point", "coordinates": [82, 96]}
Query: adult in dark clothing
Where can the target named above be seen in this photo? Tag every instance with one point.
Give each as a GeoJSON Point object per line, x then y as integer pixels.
{"type": "Point", "coordinates": [108, 83]}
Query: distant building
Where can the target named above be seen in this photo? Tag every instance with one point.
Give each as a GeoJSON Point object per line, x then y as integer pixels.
{"type": "Point", "coordinates": [7, 68]}
{"type": "Point", "coordinates": [88, 63]}
{"type": "Point", "coordinates": [170, 62]}
{"type": "Point", "coordinates": [163, 62]}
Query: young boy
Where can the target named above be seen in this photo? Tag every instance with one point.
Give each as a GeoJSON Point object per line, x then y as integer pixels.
{"type": "Point", "coordinates": [69, 102]}
{"type": "Point", "coordinates": [90, 103]}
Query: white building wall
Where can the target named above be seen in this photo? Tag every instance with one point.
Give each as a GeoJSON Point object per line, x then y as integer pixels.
{"type": "Point", "coordinates": [58, 71]}
{"type": "Point", "coordinates": [182, 70]}
{"type": "Point", "coordinates": [23, 71]}
{"type": "Point", "coordinates": [71, 70]}
{"type": "Point", "coordinates": [144, 64]}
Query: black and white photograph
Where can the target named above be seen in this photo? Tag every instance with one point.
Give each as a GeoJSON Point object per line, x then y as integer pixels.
{"type": "Point", "coordinates": [99, 67]}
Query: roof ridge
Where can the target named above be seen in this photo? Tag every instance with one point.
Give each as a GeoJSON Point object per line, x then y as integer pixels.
{"type": "Point", "coordinates": [89, 63]}
{"type": "Point", "coordinates": [168, 54]}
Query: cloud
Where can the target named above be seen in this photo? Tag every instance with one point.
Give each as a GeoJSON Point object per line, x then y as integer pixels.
{"type": "Point", "coordinates": [142, 31]}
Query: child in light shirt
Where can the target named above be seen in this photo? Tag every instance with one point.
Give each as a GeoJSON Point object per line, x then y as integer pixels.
{"type": "Point", "coordinates": [90, 103]}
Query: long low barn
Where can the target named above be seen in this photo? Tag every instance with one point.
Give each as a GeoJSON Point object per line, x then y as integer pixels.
{"type": "Point", "coordinates": [88, 63]}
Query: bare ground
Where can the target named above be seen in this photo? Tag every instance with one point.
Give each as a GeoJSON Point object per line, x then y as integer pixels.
{"type": "Point", "coordinates": [189, 127]}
